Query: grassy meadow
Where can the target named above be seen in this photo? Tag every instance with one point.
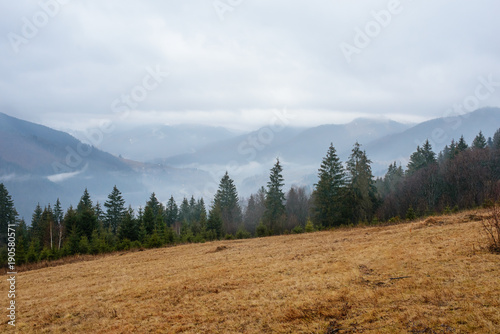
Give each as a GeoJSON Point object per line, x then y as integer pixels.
{"type": "Point", "coordinates": [428, 276]}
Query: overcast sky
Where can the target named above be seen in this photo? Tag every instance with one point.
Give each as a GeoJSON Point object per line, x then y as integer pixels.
{"type": "Point", "coordinates": [72, 64]}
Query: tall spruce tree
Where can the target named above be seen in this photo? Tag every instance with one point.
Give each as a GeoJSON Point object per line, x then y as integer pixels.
{"type": "Point", "coordinates": [423, 157]}
{"type": "Point", "coordinates": [328, 196]}
{"type": "Point", "coordinates": [274, 214]}
{"type": "Point", "coordinates": [115, 210]}
{"type": "Point", "coordinates": [86, 218]}
{"type": "Point", "coordinates": [8, 214]}
{"type": "Point", "coordinates": [171, 212]}
{"type": "Point", "coordinates": [479, 142]}
{"type": "Point", "coordinates": [361, 185]}
{"type": "Point", "coordinates": [227, 200]}
{"type": "Point", "coordinates": [496, 140]}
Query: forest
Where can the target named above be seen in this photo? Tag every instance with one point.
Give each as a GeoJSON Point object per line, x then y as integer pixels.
{"type": "Point", "coordinates": [462, 176]}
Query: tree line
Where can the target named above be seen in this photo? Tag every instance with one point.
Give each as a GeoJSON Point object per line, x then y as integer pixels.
{"type": "Point", "coordinates": [347, 193]}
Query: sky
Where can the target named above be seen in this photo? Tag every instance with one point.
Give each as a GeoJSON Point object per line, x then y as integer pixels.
{"type": "Point", "coordinates": [238, 63]}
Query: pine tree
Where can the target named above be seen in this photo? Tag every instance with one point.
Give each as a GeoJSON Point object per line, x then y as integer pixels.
{"type": "Point", "coordinates": [8, 214]}
{"type": "Point", "coordinates": [154, 204]}
{"type": "Point", "coordinates": [115, 210]}
{"type": "Point", "coordinates": [361, 185]}
{"type": "Point", "coordinates": [422, 158]}
{"type": "Point", "coordinates": [462, 145]}
{"type": "Point", "coordinates": [184, 212]}
{"type": "Point", "coordinates": [226, 199]}
{"type": "Point", "coordinates": [496, 140]}
{"type": "Point", "coordinates": [85, 202]}
{"type": "Point", "coordinates": [172, 212]}
{"type": "Point", "coordinates": [129, 228]}
{"type": "Point", "coordinates": [275, 200]}
{"type": "Point", "coordinates": [328, 195]}
{"type": "Point", "coordinates": [479, 142]}
{"type": "Point", "coordinates": [149, 220]}
{"type": "Point", "coordinates": [214, 223]}
{"type": "Point", "coordinates": [36, 229]}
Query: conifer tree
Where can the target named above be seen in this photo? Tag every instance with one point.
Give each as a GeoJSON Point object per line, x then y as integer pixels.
{"type": "Point", "coordinates": [479, 142]}
{"type": "Point", "coordinates": [422, 158]}
{"type": "Point", "coordinates": [361, 185]}
{"type": "Point", "coordinates": [86, 218]}
{"type": "Point", "coordinates": [36, 229]}
{"type": "Point", "coordinates": [154, 204]}
{"type": "Point", "coordinates": [8, 214]}
{"type": "Point", "coordinates": [226, 199]}
{"type": "Point", "coordinates": [172, 212]}
{"type": "Point", "coordinates": [496, 140]}
{"type": "Point", "coordinates": [115, 210]}
{"type": "Point", "coordinates": [214, 223]}
{"type": "Point", "coordinates": [328, 196]}
{"type": "Point", "coordinates": [85, 202]}
{"type": "Point", "coordinates": [129, 228]}
{"type": "Point", "coordinates": [462, 145]}
{"type": "Point", "coordinates": [184, 211]}
{"type": "Point", "coordinates": [274, 214]}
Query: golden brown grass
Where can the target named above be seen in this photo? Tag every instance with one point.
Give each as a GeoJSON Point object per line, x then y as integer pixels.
{"type": "Point", "coordinates": [429, 276]}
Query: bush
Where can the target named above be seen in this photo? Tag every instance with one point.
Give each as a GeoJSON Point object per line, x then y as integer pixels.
{"type": "Point", "coordinates": [410, 214]}
{"type": "Point", "coordinates": [394, 220]}
{"type": "Point", "coordinates": [136, 245]}
{"type": "Point", "coordinates": [261, 230]}
{"type": "Point", "coordinates": [298, 230]}
{"type": "Point", "coordinates": [491, 227]}
{"type": "Point", "coordinates": [243, 234]}
{"type": "Point", "coordinates": [309, 226]}
{"type": "Point", "coordinates": [125, 244]}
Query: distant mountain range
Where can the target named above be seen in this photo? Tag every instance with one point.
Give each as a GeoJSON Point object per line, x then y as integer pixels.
{"type": "Point", "coordinates": [39, 164]}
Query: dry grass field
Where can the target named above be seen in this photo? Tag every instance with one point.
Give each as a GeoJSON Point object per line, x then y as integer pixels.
{"type": "Point", "coordinates": [430, 276]}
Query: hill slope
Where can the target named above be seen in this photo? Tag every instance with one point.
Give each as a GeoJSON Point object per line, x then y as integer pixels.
{"type": "Point", "coordinates": [423, 277]}
{"type": "Point", "coordinates": [39, 164]}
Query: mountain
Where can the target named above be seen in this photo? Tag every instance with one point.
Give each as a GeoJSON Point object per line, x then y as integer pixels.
{"type": "Point", "coordinates": [294, 145]}
{"type": "Point", "coordinates": [439, 132]}
{"type": "Point", "coordinates": [156, 142]}
{"type": "Point", "coordinates": [39, 164]}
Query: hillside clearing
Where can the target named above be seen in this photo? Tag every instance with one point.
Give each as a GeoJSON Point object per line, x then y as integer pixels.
{"type": "Point", "coordinates": [429, 276]}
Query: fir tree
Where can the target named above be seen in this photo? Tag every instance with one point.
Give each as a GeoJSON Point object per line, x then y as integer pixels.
{"type": "Point", "coordinates": [8, 213]}
{"type": "Point", "coordinates": [154, 204]}
{"type": "Point", "coordinates": [275, 200]}
{"type": "Point", "coordinates": [85, 202]}
{"type": "Point", "coordinates": [226, 199]}
{"type": "Point", "coordinates": [172, 212]}
{"type": "Point", "coordinates": [361, 185]}
{"type": "Point", "coordinates": [129, 228]}
{"type": "Point", "coordinates": [462, 145]}
{"type": "Point", "coordinates": [479, 142]}
{"type": "Point", "coordinates": [496, 140]}
{"type": "Point", "coordinates": [115, 210]}
{"type": "Point", "coordinates": [214, 223]}
{"type": "Point", "coordinates": [328, 194]}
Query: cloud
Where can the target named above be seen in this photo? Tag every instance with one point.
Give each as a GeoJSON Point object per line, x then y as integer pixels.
{"type": "Point", "coordinates": [264, 55]}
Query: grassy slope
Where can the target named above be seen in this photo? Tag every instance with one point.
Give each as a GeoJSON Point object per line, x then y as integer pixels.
{"type": "Point", "coordinates": [310, 283]}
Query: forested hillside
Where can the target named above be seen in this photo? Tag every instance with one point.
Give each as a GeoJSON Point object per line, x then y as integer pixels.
{"type": "Point", "coordinates": [462, 176]}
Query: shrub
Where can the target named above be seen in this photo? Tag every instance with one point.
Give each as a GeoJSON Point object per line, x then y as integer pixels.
{"type": "Point", "coordinates": [243, 234]}
{"type": "Point", "coordinates": [410, 214]}
{"type": "Point", "coordinates": [309, 226]}
{"type": "Point", "coordinates": [261, 230]}
{"type": "Point", "coordinates": [298, 229]}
